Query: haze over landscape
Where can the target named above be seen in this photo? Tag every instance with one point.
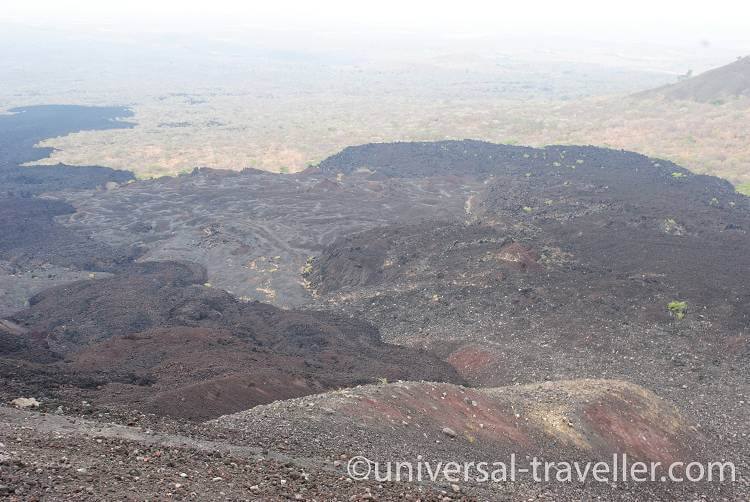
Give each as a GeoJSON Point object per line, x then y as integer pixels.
{"type": "Point", "coordinates": [245, 245]}
{"type": "Point", "coordinates": [279, 92]}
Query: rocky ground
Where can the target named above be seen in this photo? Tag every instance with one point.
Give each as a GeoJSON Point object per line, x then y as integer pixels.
{"type": "Point", "coordinates": [49, 457]}
{"type": "Point", "coordinates": [488, 268]}
{"type": "Point", "coordinates": [575, 420]}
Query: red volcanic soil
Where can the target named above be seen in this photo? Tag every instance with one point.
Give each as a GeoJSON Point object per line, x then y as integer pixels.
{"type": "Point", "coordinates": [577, 420]}
{"type": "Point", "coordinates": [194, 372]}
{"type": "Point", "coordinates": [627, 429]}
{"type": "Point", "coordinates": [153, 338]}
{"type": "Point", "coordinates": [580, 418]}
{"type": "Point", "coordinates": [472, 358]}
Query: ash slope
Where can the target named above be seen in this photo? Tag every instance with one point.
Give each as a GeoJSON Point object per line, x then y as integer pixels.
{"type": "Point", "coordinates": [104, 461]}
{"type": "Point", "coordinates": [513, 265]}
{"type": "Point", "coordinates": [576, 420]}
{"type": "Point", "coordinates": [564, 268]}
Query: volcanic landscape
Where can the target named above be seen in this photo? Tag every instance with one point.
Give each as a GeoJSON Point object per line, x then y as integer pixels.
{"type": "Point", "coordinates": [242, 334]}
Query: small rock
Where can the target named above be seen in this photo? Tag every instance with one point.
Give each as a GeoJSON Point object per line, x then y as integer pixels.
{"type": "Point", "coordinates": [455, 488]}
{"type": "Point", "coordinates": [449, 432]}
{"type": "Point", "coordinates": [25, 402]}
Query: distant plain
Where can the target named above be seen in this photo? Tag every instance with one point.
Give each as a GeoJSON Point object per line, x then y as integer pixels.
{"type": "Point", "coordinates": [262, 106]}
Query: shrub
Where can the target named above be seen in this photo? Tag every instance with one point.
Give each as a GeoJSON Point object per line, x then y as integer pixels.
{"type": "Point", "coordinates": [669, 225]}
{"type": "Point", "coordinates": [677, 308]}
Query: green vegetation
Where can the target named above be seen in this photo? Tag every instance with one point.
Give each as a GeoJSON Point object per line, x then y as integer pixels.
{"type": "Point", "coordinates": [744, 189]}
{"type": "Point", "coordinates": [678, 175]}
{"type": "Point", "coordinates": [527, 209]}
{"type": "Point", "coordinates": [315, 115]}
{"type": "Point", "coordinates": [308, 266]}
{"type": "Point", "coordinates": [677, 309]}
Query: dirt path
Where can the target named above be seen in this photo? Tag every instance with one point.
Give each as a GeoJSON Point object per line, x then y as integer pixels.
{"type": "Point", "coordinates": [45, 423]}
{"type": "Point", "coordinates": [54, 457]}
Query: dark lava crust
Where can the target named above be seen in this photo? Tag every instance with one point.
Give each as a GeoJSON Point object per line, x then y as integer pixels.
{"type": "Point", "coordinates": [481, 264]}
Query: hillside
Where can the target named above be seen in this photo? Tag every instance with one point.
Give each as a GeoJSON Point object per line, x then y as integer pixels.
{"type": "Point", "coordinates": [565, 300]}
{"type": "Point", "coordinates": [713, 86]}
{"type": "Point", "coordinates": [154, 337]}
{"type": "Point", "coordinates": [577, 419]}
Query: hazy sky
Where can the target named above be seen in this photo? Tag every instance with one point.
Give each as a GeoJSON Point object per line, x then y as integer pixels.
{"type": "Point", "coordinates": [717, 21]}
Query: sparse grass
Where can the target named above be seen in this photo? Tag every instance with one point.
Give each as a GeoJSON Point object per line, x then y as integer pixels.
{"type": "Point", "coordinates": [678, 309]}
{"type": "Point", "coordinates": [678, 175]}
{"type": "Point", "coordinates": [744, 189]}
